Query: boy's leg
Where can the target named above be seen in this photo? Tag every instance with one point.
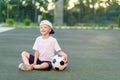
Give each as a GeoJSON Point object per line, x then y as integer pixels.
{"type": "Point", "coordinates": [25, 57]}
{"type": "Point", "coordinates": [43, 66]}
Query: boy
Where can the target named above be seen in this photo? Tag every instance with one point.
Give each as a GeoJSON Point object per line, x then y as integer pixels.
{"type": "Point", "coordinates": [44, 47]}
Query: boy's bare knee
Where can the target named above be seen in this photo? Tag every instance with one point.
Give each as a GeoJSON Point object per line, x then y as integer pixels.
{"type": "Point", "coordinates": [24, 53]}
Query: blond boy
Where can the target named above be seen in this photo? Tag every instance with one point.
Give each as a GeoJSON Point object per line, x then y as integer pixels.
{"type": "Point", "coordinates": [45, 47]}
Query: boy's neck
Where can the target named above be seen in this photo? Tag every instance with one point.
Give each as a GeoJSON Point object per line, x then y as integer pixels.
{"type": "Point", "coordinates": [45, 36]}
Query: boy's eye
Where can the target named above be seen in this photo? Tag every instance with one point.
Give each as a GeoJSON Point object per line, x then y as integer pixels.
{"type": "Point", "coordinates": [45, 27]}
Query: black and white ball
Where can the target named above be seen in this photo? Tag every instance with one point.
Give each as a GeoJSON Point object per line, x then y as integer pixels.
{"type": "Point", "coordinates": [58, 62]}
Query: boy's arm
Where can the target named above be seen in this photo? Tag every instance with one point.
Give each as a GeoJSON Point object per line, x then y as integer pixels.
{"type": "Point", "coordinates": [63, 54]}
{"type": "Point", "coordinates": [36, 57]}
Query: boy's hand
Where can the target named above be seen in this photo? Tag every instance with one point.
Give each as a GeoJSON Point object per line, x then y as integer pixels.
{"type": "Point", "coordinates": [63, 54]}
{"type": "Point", "coordinates": [34, 64]}
{"type": "Point", "coordinates": [66, 59]}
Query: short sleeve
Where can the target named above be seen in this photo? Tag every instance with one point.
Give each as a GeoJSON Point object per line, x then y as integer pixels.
{"type": "Point", "coordinates": [57, 47]}
{"type": "Point", "coordinates": [35, 46]}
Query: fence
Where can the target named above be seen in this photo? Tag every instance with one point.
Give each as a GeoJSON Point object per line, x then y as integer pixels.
{"type": "Point", "coordinates": [81, 13]}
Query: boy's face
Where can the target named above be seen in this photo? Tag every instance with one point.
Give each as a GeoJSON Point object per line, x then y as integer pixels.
{"type": "Point", "coordinates": [45, 29]}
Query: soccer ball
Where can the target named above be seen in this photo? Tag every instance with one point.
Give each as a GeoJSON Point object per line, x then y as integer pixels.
{"type": "Point", "coordinates": [58, 62]}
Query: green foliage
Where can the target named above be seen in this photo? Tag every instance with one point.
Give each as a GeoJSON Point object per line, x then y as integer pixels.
{"type": "Point", "coordinates": [10, 22]}
{"type": "Point", "coordinates": [119, 21]}
{"type": "Point", "coordinates": [3, 13]}
{"type": "Point", "coordinates": [80, 13]}
{"type": "Point", "coordinates": [27, 22]}
{"type": "Point", "coordinates": [43, 16]}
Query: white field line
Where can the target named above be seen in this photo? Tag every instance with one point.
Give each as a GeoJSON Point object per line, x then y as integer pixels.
{"type": "Point", "coordinates": [3, 29]}
{"type": "Point", "coordinates": [88, 28]}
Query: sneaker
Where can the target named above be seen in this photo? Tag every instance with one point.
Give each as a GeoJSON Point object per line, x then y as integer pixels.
{"type": "Point", "coordinates": [25, 67]}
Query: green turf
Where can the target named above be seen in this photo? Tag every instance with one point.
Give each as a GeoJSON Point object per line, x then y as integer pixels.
{"type": "Point", "coordinates": [93, 55]}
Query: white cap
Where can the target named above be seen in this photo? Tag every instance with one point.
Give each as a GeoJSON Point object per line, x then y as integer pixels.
{"type": "Point", "coordinates": [49, 24]}
{"type": "Point", "coordinates": [46, 22]}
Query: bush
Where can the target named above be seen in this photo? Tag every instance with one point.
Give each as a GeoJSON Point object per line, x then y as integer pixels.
{"type": "Point", "coordinates": [27, 22]}
{"type": "Point", "coordinates": [119, 21]}
{"type": "Point", "coordinates": [10, 22]}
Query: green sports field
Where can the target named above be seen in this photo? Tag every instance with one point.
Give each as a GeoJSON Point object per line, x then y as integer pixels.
{"type": "Point", "coordinates": [93, 55]}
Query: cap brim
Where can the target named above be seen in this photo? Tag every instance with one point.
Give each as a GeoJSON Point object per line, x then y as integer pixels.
{"type": "Point", "coordinates": [52, 31]}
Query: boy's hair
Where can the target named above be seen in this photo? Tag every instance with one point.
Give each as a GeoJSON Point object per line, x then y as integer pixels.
{"type": "Point", "coordinates": [49, 24]}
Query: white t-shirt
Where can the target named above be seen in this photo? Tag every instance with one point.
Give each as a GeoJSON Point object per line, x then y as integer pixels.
{"type": "Point", "coordinates": [46, 47]}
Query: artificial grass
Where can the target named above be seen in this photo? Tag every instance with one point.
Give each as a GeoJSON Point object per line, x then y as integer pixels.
{"type": "Point", "coordinates": [93, 55]}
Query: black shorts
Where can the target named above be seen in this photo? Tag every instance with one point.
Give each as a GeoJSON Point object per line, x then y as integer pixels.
{"type": "Point", "coordinates": [31, 60]}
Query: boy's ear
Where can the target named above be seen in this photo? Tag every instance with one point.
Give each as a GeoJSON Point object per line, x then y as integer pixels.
{"type": "Point", "coordinates": [50, 30]}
